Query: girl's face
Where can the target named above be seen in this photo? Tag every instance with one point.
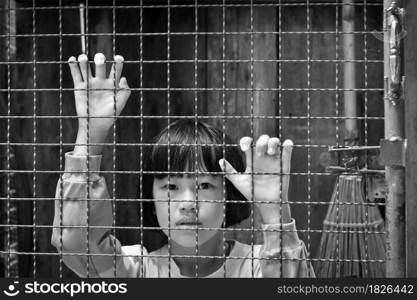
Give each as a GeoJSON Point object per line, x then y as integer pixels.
{"type": "Point", "coordinates": [180, 213]}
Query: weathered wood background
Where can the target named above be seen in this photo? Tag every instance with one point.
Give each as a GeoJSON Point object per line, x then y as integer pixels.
{"type": "Point", "coordinates": [51, 72]}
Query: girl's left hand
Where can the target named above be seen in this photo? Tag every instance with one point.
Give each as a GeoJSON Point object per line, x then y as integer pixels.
{"type": "Point", "coordinates": [271, 188]}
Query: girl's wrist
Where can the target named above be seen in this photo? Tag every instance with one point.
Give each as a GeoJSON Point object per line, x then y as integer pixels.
{"type": "Point", "coordinates": [275, 213]}
{"type": "Point", "coordinates": [81, 150]}
{"type": "Point", "coordinates": [95, 129]}
{"type": "Point", "coordinates": [91, 141]}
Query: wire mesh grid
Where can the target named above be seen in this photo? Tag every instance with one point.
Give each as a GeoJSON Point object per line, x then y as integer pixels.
{"type": "Point", "coordinates": [245, 67]}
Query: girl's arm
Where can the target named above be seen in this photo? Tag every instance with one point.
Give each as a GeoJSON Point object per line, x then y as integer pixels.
{"type": "Point", "coordinates": [83, 211]}
{"type": "Point", "coordinates": [266, 180]}
{"type": "Point", "coordinates": [283, 254]}
{"type": "Point", "coordinates": [89, 251]}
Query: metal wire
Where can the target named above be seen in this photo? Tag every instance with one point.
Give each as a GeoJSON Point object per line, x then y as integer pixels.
{"type": "Point", "coordinates": [87, 242]}
{"type": "Point", "coordinates": [141, 136]}
{"type": "Point", "coordinates": [337, 130]}
{"type": "Point", "coordinates": [202, 229]}
{"type": "Point", "coordinates": [224, 112]}
{"type": "Point", "coordinates": [209, 201]}
{"type": "Point", "coordinates": [8, 144]}
{"type": "Point", "coordinates": [230, 5]}
{"type": "Point", "coordinates": [187, 117]}
{"type": "Point", "coordinates": [164, 61]}
{"type": "Point", "coordinates": [281, 268]}
{"type": "Point", "coordinates": [308, 129]}
{"type": "Point", "coordinates": [114, 136]}
{"type": "Point", "coordinates": [196, 168]}
{"type": "Point", "coordinates": [252, 134]}
{"type": "Point", "coordinates": [347, 171]}
{"type": "Point", "coordinates": [169, 133]}
{"type": "Point", "coordinates": [202, 5]}
{"type": "Point", "coordinates": [365, 54]}
{"type": "Point", "coordinates": [34, 137]}
{"type": "Point", "coordinates": [192, 256]}
{"type": "Point", "coordinates": [205, 89]}
{"type": "Point", "coordinates": [61, 154]}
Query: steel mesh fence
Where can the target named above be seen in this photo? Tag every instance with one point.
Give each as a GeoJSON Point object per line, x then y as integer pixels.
{"type": "Point", "coordinates": [245, 67]}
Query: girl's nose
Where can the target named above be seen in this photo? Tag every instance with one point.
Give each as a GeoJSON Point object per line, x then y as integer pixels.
{"type": "Point", "coordinates": [187, 207]}
{"type": "Point", "coordinates": [187, 202]}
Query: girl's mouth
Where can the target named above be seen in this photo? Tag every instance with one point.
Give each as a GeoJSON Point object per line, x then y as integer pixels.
{"type": "Point", "coordinates": [188, 222]}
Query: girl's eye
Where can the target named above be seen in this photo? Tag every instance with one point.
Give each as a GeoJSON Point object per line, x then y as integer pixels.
{"type": "Point", "coordinates": [204, 186]}
{"type": "Point", "coordinates": [171, 187]}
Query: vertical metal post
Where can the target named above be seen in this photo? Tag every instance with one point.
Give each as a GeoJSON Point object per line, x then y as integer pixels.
{"type": "Point", "coordinates": [394, 131]}
{"type": "Point", "coordinates": [349, 73]}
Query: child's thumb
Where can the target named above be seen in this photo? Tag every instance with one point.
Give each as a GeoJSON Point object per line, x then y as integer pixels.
{"type": "Point", "coordinates": [228, 169]}
{"type": "Point", "coordinates": [124, 93]}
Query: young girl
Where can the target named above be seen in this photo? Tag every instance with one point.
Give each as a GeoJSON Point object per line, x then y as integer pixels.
{"type": "Point", "coordinates": [190, 209]}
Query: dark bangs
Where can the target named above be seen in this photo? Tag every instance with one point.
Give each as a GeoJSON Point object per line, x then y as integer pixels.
{"type": "Point", "coordinates": [189, 150]}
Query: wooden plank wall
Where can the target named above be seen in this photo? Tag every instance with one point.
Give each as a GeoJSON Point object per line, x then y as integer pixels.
{"type": "Point", "coordinates": [287, 103]}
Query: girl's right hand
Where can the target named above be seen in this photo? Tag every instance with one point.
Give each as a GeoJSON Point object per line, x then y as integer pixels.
{"type": "Point", "coordinates": [104, 96]}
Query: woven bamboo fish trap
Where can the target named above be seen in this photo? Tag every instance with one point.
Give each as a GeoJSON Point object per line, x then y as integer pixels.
{"type": "Point", "coordinates": [353, 239]}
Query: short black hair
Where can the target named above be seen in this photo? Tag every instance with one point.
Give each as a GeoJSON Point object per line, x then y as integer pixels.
{"type": "Point", "coordinates": [189, 140]}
